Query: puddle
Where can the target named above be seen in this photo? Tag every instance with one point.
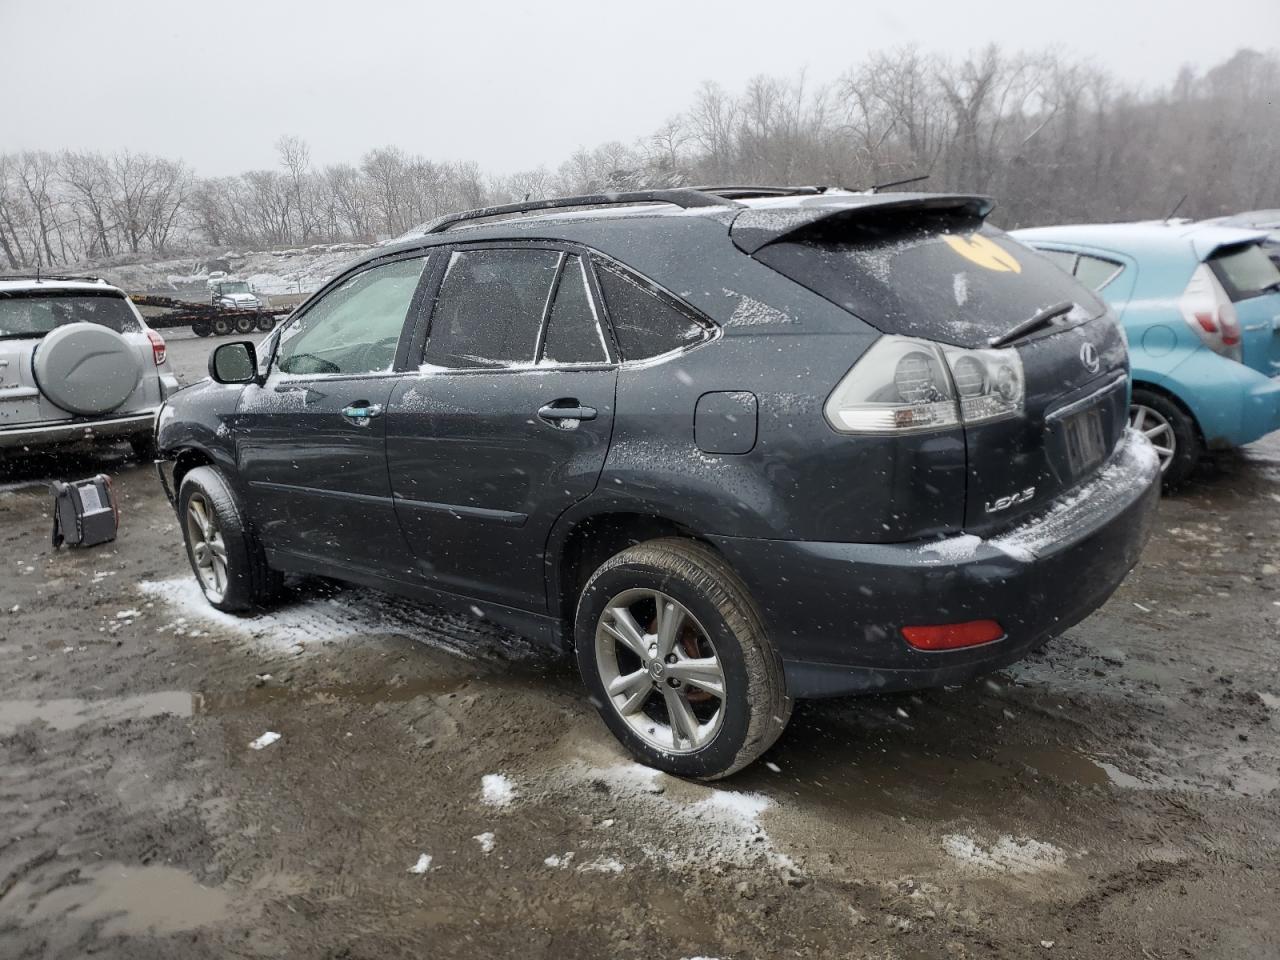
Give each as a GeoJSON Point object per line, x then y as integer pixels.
{"type": "Point", "coordinates": [71, 712]}
{"type": "Point", "coordinates": [131, 901]}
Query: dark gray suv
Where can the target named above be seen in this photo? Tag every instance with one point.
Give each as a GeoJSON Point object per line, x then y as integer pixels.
{"type": "Point", "coordinates": [733, 446]}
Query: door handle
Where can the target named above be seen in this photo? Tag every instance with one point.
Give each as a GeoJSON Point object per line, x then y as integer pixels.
{"type": "Point", "coordinates": [362, 410]}
{"type": "Point", "coordinates": [566, 410]}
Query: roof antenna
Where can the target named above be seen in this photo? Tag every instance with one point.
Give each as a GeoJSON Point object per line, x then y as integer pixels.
{"type": "Point", "coordinates": [1176, 207]}
{"type": "Point", "coordinates": [875, 188]}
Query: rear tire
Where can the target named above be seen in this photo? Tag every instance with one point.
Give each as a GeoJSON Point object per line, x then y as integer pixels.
{"type": "Point", "coordinates": [719, 643]}
{"type": "Point", "coordinates": [221, 327]}
{"type": "Point", "coordinates": [245, 324]}
{"type": "Point", "coordinates": [201, 329]}
{"type": "Point", "coordinates": [227, 560]}
{"type": "Point", "coordinates": [1173, 432]}
{"type": "Point", "coordinates": [266, 322]}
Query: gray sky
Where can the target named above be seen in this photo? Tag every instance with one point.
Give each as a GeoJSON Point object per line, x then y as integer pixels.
{"type": "Point", "coordinates": [510, 85]}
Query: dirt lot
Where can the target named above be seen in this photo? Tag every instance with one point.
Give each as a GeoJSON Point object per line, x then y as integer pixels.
{"type": "Point", "coordinates": [442, 789]}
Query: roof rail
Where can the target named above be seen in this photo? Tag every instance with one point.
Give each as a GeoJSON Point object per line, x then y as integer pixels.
{"type": "Point", "coordinates": [50, 276]}
{"type": "Point", "coordinates": [680, 197]}
{"type": "Point", "coordinates": [741, 192]}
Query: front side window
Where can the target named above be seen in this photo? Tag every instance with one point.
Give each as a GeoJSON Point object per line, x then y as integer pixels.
{"type": "Point", "coordinates": [573, 330]}
{"type": "Point", "coordinates": [355, 328]}
{"type": "Point", "coordinates": [645, 324]}
{"type": "Point", "coordinates": [490, 307]}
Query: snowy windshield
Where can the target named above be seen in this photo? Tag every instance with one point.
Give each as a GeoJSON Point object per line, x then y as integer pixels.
{"type": "Point", "coordinates": [235, 288]}
{"type": "Point", "coordinates": [33, 314]}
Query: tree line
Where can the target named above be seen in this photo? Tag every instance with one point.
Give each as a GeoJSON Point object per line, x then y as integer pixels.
{"type": "Point", "coordinates": [1052, 137]}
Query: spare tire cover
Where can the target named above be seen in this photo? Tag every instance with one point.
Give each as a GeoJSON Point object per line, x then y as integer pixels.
{"type": "Point", "coordinates": [85, 368]}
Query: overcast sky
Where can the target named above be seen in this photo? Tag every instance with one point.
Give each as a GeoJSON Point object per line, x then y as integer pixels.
{"type": "Point", "coordinates": [510, 85]}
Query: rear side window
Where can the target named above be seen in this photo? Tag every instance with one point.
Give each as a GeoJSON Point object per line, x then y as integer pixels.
{"type": "Point", "coordinates": [1096, 272]}
{"type": "Point", "coordinates": [573, 331]}
{"type": "Point", "coordinates": [1245, 272]}
{"type": "Point", "coordinates": [23, 315]}
{"type": "Point", "coordinates": [941, 278]}
{"type": "Point", "coordinates": [645, 324]}
{"type": "Point", "coordinates": [490, 307]}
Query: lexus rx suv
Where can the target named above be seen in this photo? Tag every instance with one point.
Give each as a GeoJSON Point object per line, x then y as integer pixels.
{"type": "Point", "coordinates": [732, 446]}
{"type": "Point", "coordinates": [77, 363]}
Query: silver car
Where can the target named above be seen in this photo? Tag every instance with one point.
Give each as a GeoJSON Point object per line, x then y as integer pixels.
{"type": "Point", "coordinates": [77, 363]}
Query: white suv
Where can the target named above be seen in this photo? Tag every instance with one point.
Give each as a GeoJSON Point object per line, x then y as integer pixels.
{"type": "Point", "coordinates": [77, 362]}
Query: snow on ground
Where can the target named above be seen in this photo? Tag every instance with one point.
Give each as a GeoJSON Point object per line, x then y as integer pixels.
{"type": "Point", "coordinates": [1010, 855]}
{"type": "Point", "coordinates": [422, 865]}
{"type": "Point", "coordinates": [496, 790]}
{"type": "Point", "coordinates": [697, 825]}
{"type": "Point", "coordinates": [485, 840]}
{"type": "Point", "coordinates": [312, 618]}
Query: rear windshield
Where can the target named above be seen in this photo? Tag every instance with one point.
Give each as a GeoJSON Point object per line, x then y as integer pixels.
{"type": "Point", "coordinates": [1245, 271]}
{"type": "Point", "coordinates": [945, 279]}
{"type": "Point", "coordinates": [28, 314]}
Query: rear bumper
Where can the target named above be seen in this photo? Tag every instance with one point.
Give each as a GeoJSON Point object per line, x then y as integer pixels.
{"type": "Point", "coordinates": [834, 610]}
{"type": "Point", "coordinates": [78, 431]}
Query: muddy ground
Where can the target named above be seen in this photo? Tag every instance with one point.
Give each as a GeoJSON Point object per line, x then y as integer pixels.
{"type": "Point", "coordinates": [1114, 797]}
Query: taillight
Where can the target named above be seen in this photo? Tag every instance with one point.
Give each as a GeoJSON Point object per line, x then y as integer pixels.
{"type": "Point", "coordinates": [1209, 312]}
{"type": "Point", "coordinates": [158, 351]}
{"type": "Point", "coordinates": [905, 385]}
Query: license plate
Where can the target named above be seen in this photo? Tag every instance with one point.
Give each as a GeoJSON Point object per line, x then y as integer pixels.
{"type": "Point", "coordinates": [1085, 444]}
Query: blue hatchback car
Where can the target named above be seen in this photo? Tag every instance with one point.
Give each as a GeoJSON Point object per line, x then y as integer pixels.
{"type": "Point", "coordinates": [1200, 305]}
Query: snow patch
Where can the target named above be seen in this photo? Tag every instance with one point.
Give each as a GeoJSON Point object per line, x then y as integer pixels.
{"type": "Point", "coordinates": [422, 865]}
{"type": "Point", "coordinates": [952, 549]}
{"type": "Point", "coordinates": [264, 741]}
{"type": "Point", "coordinates": [485, 840]}
{"type": "Point", "coordinates": [1012, 855]}
{"type": "Point", "coordinates": [496, 790]}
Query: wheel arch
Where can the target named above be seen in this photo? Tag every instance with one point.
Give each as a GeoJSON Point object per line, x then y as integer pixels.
{"type": "Point", "coordinates": [578, 546]}
{"type": "Point", "coordinates": [1173, 397]}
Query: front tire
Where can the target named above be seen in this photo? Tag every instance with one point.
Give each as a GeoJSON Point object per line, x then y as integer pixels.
{"type": "Point", "coordinates": [225, 557]}
{"type": "Point", "coordinates": [1171, 431]}
{"type": "Point", "coordinates": [675, 657]}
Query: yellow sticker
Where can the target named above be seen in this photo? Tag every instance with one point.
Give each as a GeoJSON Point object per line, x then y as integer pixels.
{"type": "Point", "coordinates": [984, 252]}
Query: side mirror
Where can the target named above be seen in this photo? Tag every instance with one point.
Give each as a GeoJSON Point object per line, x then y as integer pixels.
{"type": "Point", "coordinates": [234, 363]}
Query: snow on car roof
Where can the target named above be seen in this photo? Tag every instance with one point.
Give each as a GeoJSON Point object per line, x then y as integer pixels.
{"type": "Point", "coordinates": [24, 284]}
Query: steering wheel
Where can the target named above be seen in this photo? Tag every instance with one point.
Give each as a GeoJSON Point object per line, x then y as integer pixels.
{"type": "Point", "coordinates": [379, 355]}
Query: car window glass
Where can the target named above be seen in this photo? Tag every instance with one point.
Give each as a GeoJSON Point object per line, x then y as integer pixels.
{"type": "Point", "coordinates": [23, 316]}
{"type": "Point", "coordinates": [1063, 258]}
{"type": "Point", "coordinates": [644, 323]}
{"type": "Point", "coordinates": [490, 307]}
{"type": "Point", "coordinates": [573, 331]}
{"type": "Point", "coordinates": [355, 328]}
{"type": "Point", "coordinates": [1095, 272]}
{"type": "Point", "coordinates": [1245, 271]}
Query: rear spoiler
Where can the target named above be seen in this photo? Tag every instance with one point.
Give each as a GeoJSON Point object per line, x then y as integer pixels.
{"type": "Point", "coordinates": [757, 227]}
{"type": "Point", "coordinates": [1206, 243]}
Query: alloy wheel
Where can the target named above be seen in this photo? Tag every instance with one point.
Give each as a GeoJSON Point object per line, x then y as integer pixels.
{"type": "Point", "coordinates": [208, 550]}
{"type": "Point", "coordinates": [660, 670]}
{"type": "Point", "coordinates": [1157, 429]}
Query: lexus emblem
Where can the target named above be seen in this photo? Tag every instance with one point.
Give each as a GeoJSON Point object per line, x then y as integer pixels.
{"type": "Point", "coordinates": [1089, 357]}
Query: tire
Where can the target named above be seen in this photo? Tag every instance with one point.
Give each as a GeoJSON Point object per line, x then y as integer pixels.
{"type": "Point", "coordinates": [266, 322]}
{"type": "Point", "coordinates": [221, 326]}
{"type": "Point", "coordinates": [1171, 429]}
{"type": "Point", "coordinates": [245, 580]}
{"type": "Point", "coordinates": [201, 329]}
{"type": "Point", "coordinates": [144, 447]}
{"type": "Point", "coordinates": [720, 626]}
{"type": "Point", "coordinates": [246, 324]}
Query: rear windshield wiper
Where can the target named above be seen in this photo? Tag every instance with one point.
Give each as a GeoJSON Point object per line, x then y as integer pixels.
{"type": "Point", "coordinates": [1042, 319]}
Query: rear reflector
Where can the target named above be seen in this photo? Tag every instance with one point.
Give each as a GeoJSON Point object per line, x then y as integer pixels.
{"type": "Point", "coordinates": [949, 636]}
